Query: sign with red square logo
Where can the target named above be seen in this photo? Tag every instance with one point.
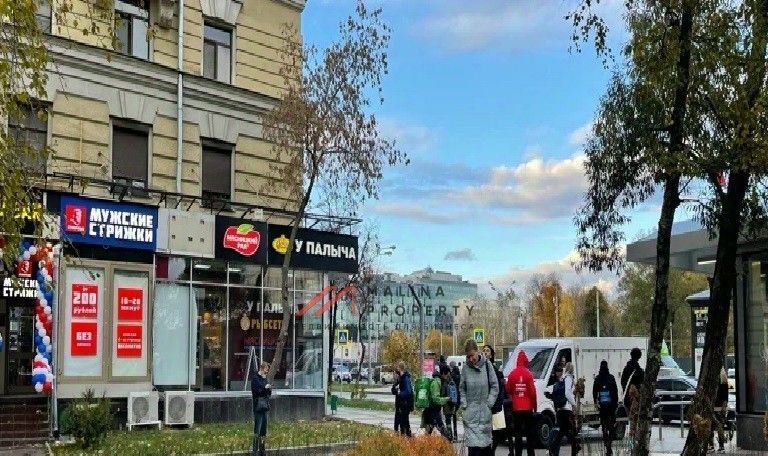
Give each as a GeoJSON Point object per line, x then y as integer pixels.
{"type": "Point", "coordinates": [83, 338]}
{"type": "Point", "coordinates": [129, 341]}
{"type": "Point", "coordinates": [85, 302]}
{"type": "Point", "coordinates": [130, 304]}
{"type": "Point", "coordinates": [75, 219]}
{"type": "Point", "coordinates": [24, 269]}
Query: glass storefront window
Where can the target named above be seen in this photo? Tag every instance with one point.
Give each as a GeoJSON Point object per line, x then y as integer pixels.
{"type": "Point", "coordinates": [756, 337]}
{"type": "Point", "coordinates": [209, 271]}
{"type": "Point", "coordinates": [244, 274]}
{"type": "Point", "coordinates": [172, 268]}
{"type": "Point", "coordinates": [309, 280]}
{"type": "Point", "coordinates": [211, 303]}
{"type": "Point", "coordinates": [172, 337]}
{"type": "Point", "coordinates": [273, 278]}
{"type": "Point", "coordinates": [244, 333]}
{"type": "Point", "coordinates": [308, 373]}
{"type": "Point", "coordinates": [272, 323]}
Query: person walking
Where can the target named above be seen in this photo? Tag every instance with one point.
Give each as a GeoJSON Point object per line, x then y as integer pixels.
{"type": "Point", "coordinates": [522, 391]}
{"type": "Point", "coordinates": [450, 390]}
{"type": "Point", "coordinates": [432, 417]}
{"type": "Point", "coordinates": [261, 391]}
{"type": "Point", "coordinates": [632, 375]}
{"type": "Point", "coordinates": [605, 394]}
{"type": "Point", "coordinates": [479, 389]}
{"type": "Point", "coordinates": [403, 390]}
{"type": "Point", "coordinates": [721, 413]}
{"type": "Point", "coordinates": [456, 377]}
{"type": "Point", "coordinates": [499, 424]}
{"type": "Point", "coordinates": [564, 401]}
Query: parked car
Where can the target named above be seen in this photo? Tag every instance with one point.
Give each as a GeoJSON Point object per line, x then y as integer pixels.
{"type": "Point", "coordinates": [387, 375]}
{"type": "Point", "coordinates": [665, 391]}
{"type": "Point", "coordinates": [362, 375]}
{"type": "Point", "coordinates": [342, 374]}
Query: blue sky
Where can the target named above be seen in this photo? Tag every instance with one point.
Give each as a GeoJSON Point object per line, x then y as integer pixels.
{"type": "Point", "coordinates": [491, 107]}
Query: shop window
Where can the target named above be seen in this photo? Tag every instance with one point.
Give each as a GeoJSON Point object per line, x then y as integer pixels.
{"type": "Point", "coordinates": [132, 27]}
{"type": "Point", "coordinates": [217, 53]}
{"type": "Point", "coordinates": [172, 268]}
{"type": "Point", "coordinates": [308, 373]}
{"type": "Point", "coordinates": [83, 354]}
{"type": "Point", "coordinates": [30, 128]}
{"type": "Point", "coordinates": [274, 279]}
{"type": "Point", "coordinates": [129, 316]}
{"type": "Point", "coordinates": [272, 323]}
{"type": "Point", "coordinates": [244, 334]}
{"type": "Point", "coordinates": [211, 304]}
{"type": "Point", "coordinates": [130, 155]}
{"type": "Point", "coordinates": [209, 271]}
{"type": "Point", "coordinates": [309, 280]}
{"type": "Point", "coordinates": [244, 274]}
{"type": "Point", "coordinates": [173, 334]}
{"type": "Point", "coordinates": [756, 334]}
{"type": "Point", "coordinates": [217, 175]}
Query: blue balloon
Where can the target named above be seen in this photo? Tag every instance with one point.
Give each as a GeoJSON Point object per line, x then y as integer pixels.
{"type": "Point", "coordinates": [48, 357]}
{"type": "Point", "coordinates": [25, 245]}
{"type": "Point", "coordinates": [41, 348]}
{"type": "Point", "coordinates": [38, 378]}
{"type": "Point", "coordinates": [38, 340]}
{"type": "Point", "coordinates": [48, 297]}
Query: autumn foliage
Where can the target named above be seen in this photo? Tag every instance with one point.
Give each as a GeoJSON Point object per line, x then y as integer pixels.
{"type": "Point", "coordinates": [390, 444]}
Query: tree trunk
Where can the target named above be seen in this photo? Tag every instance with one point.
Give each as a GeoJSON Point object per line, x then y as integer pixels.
{"type": "Point", "coordinates": [658, 313]}
{"type": "Point", "coordinates": [723, 284]}
{"type": "Point", "coordinates": [331, 338]}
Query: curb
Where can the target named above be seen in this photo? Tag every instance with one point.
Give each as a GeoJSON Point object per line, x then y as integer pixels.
{"type": "Point", "coordinates": [294, 451]}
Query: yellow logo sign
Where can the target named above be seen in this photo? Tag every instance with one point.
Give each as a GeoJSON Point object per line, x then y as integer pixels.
{"type": "Point", "coordinates": [280, 244]}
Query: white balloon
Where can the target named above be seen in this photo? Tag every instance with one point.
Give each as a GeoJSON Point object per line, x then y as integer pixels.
{"type": "Point", "coordinates": [42, 332]}
{"type": "Point", "coordinates": [48, 245]}
{"type": "Point", "coordinates": [38, 325]}
{"type": "Point", "coordinates": [39, 357]}
{"type": "Point", "coordinates": [47, 340]}
{"type": "Point", "coordinates": [39, 387]}
{"type": "Point", "coordinates": [32, 250]}
{"type": "Point", "coordinates": [49, 378]}
{"type": "Point", "coordinates": [49, 348]}
{"type": "Point", "coordinates": [50, 256]}
{"type": "Point", "coordinates": [47, 310]}
{"type": "Point", "coordinates": [25, 256]}
{"type": "Point", "coordinates": [43, 302]}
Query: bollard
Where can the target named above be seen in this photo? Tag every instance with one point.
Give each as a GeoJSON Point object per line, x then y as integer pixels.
{"type": "Point", "coordinates": [682, 424]}
{"type": "Point", "coordinates": [660, 423]}
{"type": "Point", "coordinates": [334, 403]}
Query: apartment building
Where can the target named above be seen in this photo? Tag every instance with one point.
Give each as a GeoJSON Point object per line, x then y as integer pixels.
{"type": "Point", "coordinates": [167, 224]}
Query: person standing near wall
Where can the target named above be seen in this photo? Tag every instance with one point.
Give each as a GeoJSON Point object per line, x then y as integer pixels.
{"type": "Point", "coordinates": [403, 400]}
{"type": "Point", "coordinates": [261, 391]}
{"type": "Point", "coordinates": [479, 389]}
{"type": "Point", "coordinates": [605, 393]}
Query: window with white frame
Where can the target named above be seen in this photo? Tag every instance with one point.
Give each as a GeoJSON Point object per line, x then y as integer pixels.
{"type": "Point", "coordinates": [217, 53]}
{"type": "Point", "coordinates": [132, 27]}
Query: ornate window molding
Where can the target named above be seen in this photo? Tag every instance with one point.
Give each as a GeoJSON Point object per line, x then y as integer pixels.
{"type": "Point", "coordinates": [224, 10]}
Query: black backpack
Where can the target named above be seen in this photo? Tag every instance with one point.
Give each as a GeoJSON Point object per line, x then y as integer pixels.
{"type": "Point", "coordinates": [558, 395]}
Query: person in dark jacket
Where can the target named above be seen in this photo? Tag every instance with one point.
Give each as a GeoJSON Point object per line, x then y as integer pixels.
{"type": "Point", "coordinates": [403, 400]}
{"type": "Point", "coordinates": [632, 375]}
{"type": "Point", "coordinates": [721, 413]}
{"type": "Point", "coordinates": [261, 390]}
{"type": "Point", "coordinates": [456, 377]}
{"type": "Point", "coordinates": [605, 394]}
{"type": "Point", "coordinates": [499, 435]}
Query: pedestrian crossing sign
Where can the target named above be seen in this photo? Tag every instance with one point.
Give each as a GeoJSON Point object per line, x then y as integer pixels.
{"type": "Point", "coordinates": [479, 335]}
{"type": "Point", "coordinates": [342, 337]}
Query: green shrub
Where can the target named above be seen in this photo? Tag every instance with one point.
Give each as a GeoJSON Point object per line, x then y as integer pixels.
{"type": "Point", "coordinates": [87, 419]}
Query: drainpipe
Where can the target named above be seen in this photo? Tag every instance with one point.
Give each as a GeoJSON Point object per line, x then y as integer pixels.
{"type": "Point", "coordinates": [180, 99]}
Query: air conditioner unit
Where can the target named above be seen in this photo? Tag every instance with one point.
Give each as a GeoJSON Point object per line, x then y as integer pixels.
{"type": "Point", "coordinates": [179, 408]}
{"type": "Point", "coordinates": [142, 409]}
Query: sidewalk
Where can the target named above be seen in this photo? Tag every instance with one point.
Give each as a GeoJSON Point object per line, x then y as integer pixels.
{"type": "Point", "coordinates": [671, 443]}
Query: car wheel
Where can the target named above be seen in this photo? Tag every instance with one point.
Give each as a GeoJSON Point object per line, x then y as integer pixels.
{"type": "Point", "coordinates": [543, 430]}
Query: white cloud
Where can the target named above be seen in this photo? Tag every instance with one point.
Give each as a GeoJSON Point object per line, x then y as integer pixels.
{"type": "Point", "coordinates": [411, 138]}
{"type": "Point", "coordinates": [460, 255]}
{"type": "Point", "coordinates": [515, 25]}
{"type": "Point", "coordinates": [533, 191]}
{"type": "Point", "coordinates": [563, 268]}
{"type": "Point", "coordinates": [579, 136]}
{"type": "Point", "coordinates": [415, 212]}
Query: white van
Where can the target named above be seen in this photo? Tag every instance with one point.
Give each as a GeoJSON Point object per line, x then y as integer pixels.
{"type": "Point", "coordinates": [459, 360]}
{"type": "Point", "coordinates": [585, 353]}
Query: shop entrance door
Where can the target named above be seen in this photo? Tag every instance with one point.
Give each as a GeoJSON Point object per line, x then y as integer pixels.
{"type": "Point", "coordinates": [19, 350]}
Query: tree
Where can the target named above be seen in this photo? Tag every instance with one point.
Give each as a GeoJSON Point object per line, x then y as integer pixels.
{"type": "Point", "coordinates": [636, 295]}
{"type": "Point", "coordinates": [398, 346]}
{"type": "Point", "coordinates": [438, 342]}
{"type": "Point", "coordinates": [585, 307]}
{"type": "Point", "coordinates": [321, 133]}
{"type": "Point", "coordinates": [550, 309]}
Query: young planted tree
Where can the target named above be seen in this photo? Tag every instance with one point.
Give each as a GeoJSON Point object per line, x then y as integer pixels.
{"type": "Point", "coordinates": [321, 131]}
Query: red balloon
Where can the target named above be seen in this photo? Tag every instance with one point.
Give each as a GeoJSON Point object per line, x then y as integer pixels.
{"type": "Point", "coordinates": [37, 364]}
{"type": "Point", "coordinates": [47, 387]}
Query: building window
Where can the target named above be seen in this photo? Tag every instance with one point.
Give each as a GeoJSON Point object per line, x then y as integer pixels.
{"type": "Point", "coordinates": [30, 129]}
{"type": "Point", "coordinates": [217, 53]}
{"type": "Point", "coordinates": [217, 175]}
{"type": "Point", "coordinates": [756, 335]}
{"type": "Point", "coordinates": [43, 15]}
{"type": "Point", "coordinates": [130, 154]}
{"type": "Point", "coordinates": [131, 27]}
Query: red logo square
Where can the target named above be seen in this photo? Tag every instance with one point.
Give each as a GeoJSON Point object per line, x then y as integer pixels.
{"type": "Point", "coordinates": [129, 340]}
{"type": "Point", "coordinates": [130, 304]}
{"type": "Point", "coordinates": [83, 338]}
{"type": "Point", "coordinates": [76, 218]}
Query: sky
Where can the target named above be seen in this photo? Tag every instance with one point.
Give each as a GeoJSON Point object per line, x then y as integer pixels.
{"type": "Point", "coordinates": [492, 107]}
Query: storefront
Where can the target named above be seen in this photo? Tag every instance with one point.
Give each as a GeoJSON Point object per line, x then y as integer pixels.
{"type": "Point", "coordinates": [17, 332]}
{"type": "Point", "coordinates": [156, 298]}
{"type": "Point", "coordinates": [692, 249]}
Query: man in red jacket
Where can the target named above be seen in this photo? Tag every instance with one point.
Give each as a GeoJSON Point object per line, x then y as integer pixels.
{"type": "Point", "coordinates": [522, 391]}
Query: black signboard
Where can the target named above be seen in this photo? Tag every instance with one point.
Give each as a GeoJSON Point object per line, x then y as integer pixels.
{"type": "Point", "coordinates": [316, 250]}
{"type": "Point", "coordinates": [241, 240]}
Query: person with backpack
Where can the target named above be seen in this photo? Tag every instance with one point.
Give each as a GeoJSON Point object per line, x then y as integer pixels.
{"type": "Point", "coordinates": [632, 375]}
{"type": "Point", "coordinates": [432, 417]}
{"type": "Point", "coordinates": [522, 391]}
{"type": "Point", "coordinates": [564, 401]}
{"type": "Point", "coordinates": [500, 434]}
{"type": "Point", "coordinates": [403, 391]}
{"type": "Point", "coordinates": [479, 389]}
{"type": "Point", "coordinates": [451, 391]}
{"type": "Point", "coordinates": [456, 377]}
{"type": "Point", "coordinates": [605, 394]}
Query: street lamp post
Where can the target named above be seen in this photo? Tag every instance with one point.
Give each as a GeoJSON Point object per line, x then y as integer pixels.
{"type": "Point", "coordinates": [597, 305]}
{"type": "Point", "coordinates": [421, 325]}
{"type": "Point", "coordinates": [557, 315]}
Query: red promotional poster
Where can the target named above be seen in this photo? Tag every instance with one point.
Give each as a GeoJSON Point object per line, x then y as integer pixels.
{"type": "Point", "coordinates": [129, 341]}
{"type": "Point", "coordinates": [85, 300]}
{"type": "Point", "coordinates": [75, 219]}
{"type": "Point", "coordinates": [130, 304]}
{"type": "Point", "coordinates": [83, 338]}
{"type": "Point", "coordinates": [428, 368]}
{"type": "Point", "coordinates": [24, 269]}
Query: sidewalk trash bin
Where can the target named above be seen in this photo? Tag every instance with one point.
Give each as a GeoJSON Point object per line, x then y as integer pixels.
{"type": "Point", "coordinates": [334, 403]}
